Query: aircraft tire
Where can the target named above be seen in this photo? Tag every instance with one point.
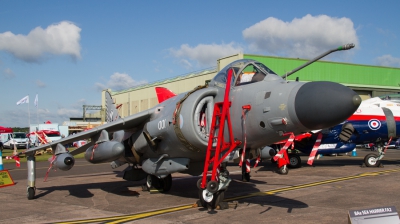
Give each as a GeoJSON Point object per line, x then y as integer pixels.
{"type": "Point", "coordinates": [283, 170]}
{"type": "Point", "coordinates": [211, 201]}
{"type": "Point", "coordinates": [212, 186]}
{"type": "Point", "coordinates": [30, 193]}
{"type": "Point", "coordinates": [152, 181]}
{"type": "Point", "coordinates": [199, 183]}
{"type": "Point", "coordinates": [294, 161]}
{"type": "Point", "coordinates": [370, 160]}
{"type": "Point", "coordinates": [166, 183]}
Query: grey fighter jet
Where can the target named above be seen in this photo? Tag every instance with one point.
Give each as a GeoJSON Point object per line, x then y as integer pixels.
{"type": "Point", "coordinates": [174, 135]}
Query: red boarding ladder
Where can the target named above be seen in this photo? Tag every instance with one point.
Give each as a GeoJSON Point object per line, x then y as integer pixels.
{"type": "Point", "coordinates": [221, 115]}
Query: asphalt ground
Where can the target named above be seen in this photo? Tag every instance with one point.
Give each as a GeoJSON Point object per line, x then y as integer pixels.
{"type": "Point", "coordinates": [323, 193]}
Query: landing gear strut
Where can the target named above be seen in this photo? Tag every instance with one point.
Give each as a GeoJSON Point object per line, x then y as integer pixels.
{"type": "Point", "coordinates": [31, 164]}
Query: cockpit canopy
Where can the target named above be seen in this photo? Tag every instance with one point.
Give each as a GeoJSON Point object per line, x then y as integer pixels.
{"type": "Point", "coordinates": [245, 71]}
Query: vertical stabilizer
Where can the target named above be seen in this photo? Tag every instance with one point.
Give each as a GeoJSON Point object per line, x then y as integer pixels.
{"type": "Point", "coordinates": [163, 94]}
{"type": "Point", "coordinates": [111, 110]}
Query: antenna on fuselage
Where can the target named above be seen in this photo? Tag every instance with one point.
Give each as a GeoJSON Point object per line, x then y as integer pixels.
{"type": "Point", "coordinates": [341, 48]}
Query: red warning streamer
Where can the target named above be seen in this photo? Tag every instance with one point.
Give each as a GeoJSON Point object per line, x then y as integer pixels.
{"type": "Point", "coordinates": [315, 149]}
{"type": "Point", "coordinates": [288, 143]}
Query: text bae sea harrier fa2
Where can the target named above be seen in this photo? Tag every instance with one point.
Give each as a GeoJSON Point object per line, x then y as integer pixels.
{"type": "Point", "coordinates": [174, 135]}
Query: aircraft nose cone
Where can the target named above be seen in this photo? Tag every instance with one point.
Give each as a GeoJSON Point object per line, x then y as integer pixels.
{"type": "Point", "coordinates": [324, 104]}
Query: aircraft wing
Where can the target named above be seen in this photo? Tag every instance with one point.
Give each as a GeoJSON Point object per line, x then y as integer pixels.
{"type": "Point", "coordinates": [127, 123]}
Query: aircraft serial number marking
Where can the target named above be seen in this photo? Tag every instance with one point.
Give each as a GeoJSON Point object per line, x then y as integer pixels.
{"type": "Point", "coordinates": [133, 217]}
{"type": "Point", "coordinates": [161, 124]}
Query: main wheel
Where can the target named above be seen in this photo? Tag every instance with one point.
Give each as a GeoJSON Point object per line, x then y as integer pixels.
{"type": "Point", "coordinates": [294, 161]}
{"type": "Point", "coordinates": [371, 160]}
{"type": "Point", "coordinates": [283, 170]}
{"type": "Point", "coordinates": [166, 183]}
{"type": "Point", "coordinates": [152, 181]}
{"type": "Point", "coordinates": [210, 200]}
{"type": "Point", "coordinates": [30, 193]}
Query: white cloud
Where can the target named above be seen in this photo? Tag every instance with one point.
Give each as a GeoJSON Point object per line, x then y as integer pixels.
{"type": "Point", "coordinates": [388, 60]}
{"type": "Point", "coordinates": [119, 81]}
{"type": "Point", "coordinates": [40, 84]}
{"type": "Point", "coordinates": [306, 37]}
{"type": "Point", "coordinates": [204, 54]}
{"type": "Point", "coordinates": [57, 39]}
{"type": "Point", "coordinates": [8, 73]}
{"type": "Point", "coordinates": [185, 63]}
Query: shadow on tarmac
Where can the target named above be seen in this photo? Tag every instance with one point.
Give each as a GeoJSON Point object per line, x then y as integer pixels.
{"type": "Point", "coordinates": [246, 192]}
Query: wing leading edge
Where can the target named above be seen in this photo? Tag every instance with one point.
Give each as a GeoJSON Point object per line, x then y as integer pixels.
{"type": "Point", "coordinates": [127, 123]}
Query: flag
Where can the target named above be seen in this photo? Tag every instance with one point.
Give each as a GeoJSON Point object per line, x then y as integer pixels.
{"type": "Point", "coordinates": [36, 100]}
{"type": "Point", "coordinates": [23, 100]}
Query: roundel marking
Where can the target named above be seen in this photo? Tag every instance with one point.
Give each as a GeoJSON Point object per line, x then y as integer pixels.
{"type": "Point", "coordinates": [374, 124]}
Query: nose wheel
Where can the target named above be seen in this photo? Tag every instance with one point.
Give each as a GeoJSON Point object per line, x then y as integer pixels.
{"type": "Point", "coordinates": [210, 200]}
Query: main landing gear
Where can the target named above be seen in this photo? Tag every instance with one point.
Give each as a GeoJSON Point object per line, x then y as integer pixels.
{"type": "Point", "coordinates": [160, 184]}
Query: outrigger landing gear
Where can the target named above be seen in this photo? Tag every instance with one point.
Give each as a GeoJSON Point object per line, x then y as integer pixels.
{"type": "Point", "coordinates": [212, 192]}
{"type": "Point", "coordinates": [31, 164]}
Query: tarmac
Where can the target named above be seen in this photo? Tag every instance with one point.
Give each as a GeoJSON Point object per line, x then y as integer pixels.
{"type": "Point", "coordinates": [323, 193]}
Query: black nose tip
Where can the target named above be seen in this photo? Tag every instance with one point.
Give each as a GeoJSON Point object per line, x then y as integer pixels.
{"type": "Point", "coordinates": [324, 104]}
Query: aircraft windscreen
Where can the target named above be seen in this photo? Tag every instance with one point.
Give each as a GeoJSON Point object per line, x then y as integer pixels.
{"type": "Point", "coordinates": [19, 135]}
{"type": "Point", "coordinates": [245, 70]}
{"type": "Point", "coordinates": [264, 68]}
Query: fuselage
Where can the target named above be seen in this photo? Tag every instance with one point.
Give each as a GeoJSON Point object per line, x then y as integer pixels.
{"type": "Point", "coordinates": [181, 125]}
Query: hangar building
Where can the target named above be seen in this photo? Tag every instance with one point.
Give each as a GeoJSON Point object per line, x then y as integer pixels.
{"type": "Point", "coordinates": [368, 81]}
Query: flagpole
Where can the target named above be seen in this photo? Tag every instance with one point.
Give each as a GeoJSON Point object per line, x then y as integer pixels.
{"type": "Point", "coordinates": [29, 113]}
{"type": "Point", "coordinates": [37, 108]}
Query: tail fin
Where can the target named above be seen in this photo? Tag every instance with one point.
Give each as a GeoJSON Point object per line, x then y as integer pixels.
{"type": "Point", "coordinates": [164, 94]}
{"type": "Point", "coordinates": [111, 110]}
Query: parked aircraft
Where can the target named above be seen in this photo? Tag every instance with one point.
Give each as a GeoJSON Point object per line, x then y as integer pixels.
{"type": "Point", "coordinates": [375, 121]}
{"type": "Point", "coordinates": [174, 135]}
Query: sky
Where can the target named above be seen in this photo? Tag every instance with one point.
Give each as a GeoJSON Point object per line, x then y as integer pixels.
{"type": "Point", "coordinates": [67, 52]}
